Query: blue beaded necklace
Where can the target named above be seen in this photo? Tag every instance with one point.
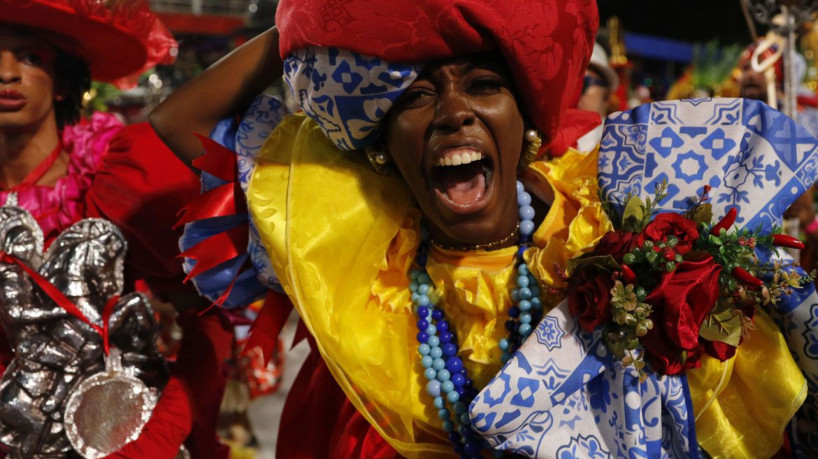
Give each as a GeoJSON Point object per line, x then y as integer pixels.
{"type": "Point", "coordinates": [448, 381]}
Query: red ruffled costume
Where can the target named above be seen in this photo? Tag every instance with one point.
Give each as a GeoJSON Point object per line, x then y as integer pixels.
{"type": "Point", "coordinates": [128, 176]}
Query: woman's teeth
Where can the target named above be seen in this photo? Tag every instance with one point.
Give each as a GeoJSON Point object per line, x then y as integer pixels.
{"type": "Point", "coordinates": [458, 159]}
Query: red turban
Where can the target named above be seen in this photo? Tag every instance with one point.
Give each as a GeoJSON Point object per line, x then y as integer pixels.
{"type": "Point", "coordinates": [546, 43]}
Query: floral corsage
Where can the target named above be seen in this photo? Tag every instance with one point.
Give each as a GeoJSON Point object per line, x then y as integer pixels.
{"type": "Point", "coordinates": [668, 287]}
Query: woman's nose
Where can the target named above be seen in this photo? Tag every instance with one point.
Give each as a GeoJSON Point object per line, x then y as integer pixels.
{"type": "Point", "coordinates": [453, 111]}
{"type": "Point", "coordinates": [9, 67]}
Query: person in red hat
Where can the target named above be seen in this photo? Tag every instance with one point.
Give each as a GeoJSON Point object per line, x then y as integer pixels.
{"type": "Point", "coordinates": [454, 97]}
{"type": "Point", "coordinates": [62, 168]}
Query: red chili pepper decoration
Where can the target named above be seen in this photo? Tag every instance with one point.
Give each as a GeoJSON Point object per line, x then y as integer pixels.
{"type": "Point", "coordinates": [784, 240]}
{"type": "Point", "coordinates": [725, 222]}
{"type": "Point", "coordinates": [744, 276]}
{"type": "Point", "coordinates": [628, 274]}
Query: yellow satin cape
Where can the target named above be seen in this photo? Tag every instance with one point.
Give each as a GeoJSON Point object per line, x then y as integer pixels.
{"type": "Point", "coordinates": [342, 240]}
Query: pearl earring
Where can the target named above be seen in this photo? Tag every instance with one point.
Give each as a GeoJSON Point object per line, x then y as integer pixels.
{"type": "Point", "coordinates": [534, 140]}
{"type": "Point", "coordinates": [380, 161]}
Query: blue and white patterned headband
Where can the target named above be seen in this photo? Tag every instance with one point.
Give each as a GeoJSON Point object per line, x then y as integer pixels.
{"type": "Point", "coordinates": [346, 93]}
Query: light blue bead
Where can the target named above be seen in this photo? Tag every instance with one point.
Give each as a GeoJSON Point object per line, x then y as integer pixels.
{"type": "Point", "coordinates": [433, 341]}
{"type": "Point", "coordinates": [524, 293]}
{"type": "Point", "coordinates": [424, 278]}
{"type": "Point", "coordinates": [443, 414]}
{"type": "Point", "coordinates": [430, 373]}
{"type": "Point", "coordinates": [447, 386]}
{"type": "Point", "coordinates": [459, 407]}
{"type": "Point", "coordinates": [443, 375]}
{"type": "Point", "coordinates": [423, 300]}
{"type": "Point", "coordinates": [413, 286]}
{"type": "Point", "coordinates": [448, 426]}
{"type": "Point", "coordinates": [438, 364]}
{"type": "Point", "coordinates": [522, 281]}
{"type": "Point", "coordinates": [525, 329]}
{"type": "Point", "coordinates": [526, 227]}
{"type": "Point", "coordinates": [413, 275]}
{"type": "Point", "coordinates": [431, 330]}
{"type": "Point", "coordinates": [426, 361]}
{"type": "Point", "coordinates": [535, 291]}
{"type": "Point", "coordinates": [526, 213]}
{"type": "Point", "coordinates": [522, 269]}
{"type": "Point", "coordinates": [436, 352]}
{"type": "Point", "coordinates": [415, 298]}
{"type": "Point", "coordinates": [524, 305]}
{"type": "Point", "coordinates": [433, 388]}
{"type": "Point", "coordinates": [453, 396]}
{"type": "Point", "coordinates": [439, 403]}
{"type": "Point", "coordinates": [523, 199]}
{"type": "Point", "coordinates": [515, 295]}
{"type": "Point", "coordinates": [424, 349]}
{"type": "Point", "coordinates": [423, 289]}
{"type": "Point", "coordinates": [525, 318]}
{"type": "Point", "coordinates": [536, 303]}
{"type": "Point", "coordinates": [464, 419]}
{"type": "Point", "coordinates": [520, 187]}
{"type": "Point", "coordinates": [503, 344]}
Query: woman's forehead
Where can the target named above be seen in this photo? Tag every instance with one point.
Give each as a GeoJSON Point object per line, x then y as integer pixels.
{"type": "Point", "coordinates": [463, 64]}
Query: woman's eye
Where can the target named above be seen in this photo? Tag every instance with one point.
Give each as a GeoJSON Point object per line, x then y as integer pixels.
{"type": "Point", "coordinates": [486, 85]}
{"type": "Point", "coordinates": [31, 58]}
{"type": "Point", "coordinates": [413, 98]}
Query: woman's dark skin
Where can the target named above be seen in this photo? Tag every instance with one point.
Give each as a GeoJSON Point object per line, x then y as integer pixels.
{"type": "Point", "coordinates": [457, 106]}
{"type": "Point", "coordinates": [460, 111]}
{"type": "Point", "coordinates": [226, 88]}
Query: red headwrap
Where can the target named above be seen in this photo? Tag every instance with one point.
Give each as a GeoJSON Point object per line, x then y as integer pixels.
{"type": "Point", "coordinates": [546, 43]}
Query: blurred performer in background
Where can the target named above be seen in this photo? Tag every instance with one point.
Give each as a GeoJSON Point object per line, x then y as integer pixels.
{"type": "Point", "coordinates": [600, 82]}
{"type": "Point", "coordinates": [63, 169]}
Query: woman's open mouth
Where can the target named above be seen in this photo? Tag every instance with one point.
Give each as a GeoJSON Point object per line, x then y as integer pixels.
{"type": "Point", "coordinates": [462, 179]}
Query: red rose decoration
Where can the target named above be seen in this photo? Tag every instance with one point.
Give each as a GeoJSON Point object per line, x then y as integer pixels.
{"type": "Point", "coordinates": [719, 350]}
{"type": "Point", "coordinates": [670, 224]}
{"type": "Point", "coordinates": [589, 297]}
{"type": "Point", "coordinates": [617, 244]}
{"type": "Point", "coordinates": [680, 304]}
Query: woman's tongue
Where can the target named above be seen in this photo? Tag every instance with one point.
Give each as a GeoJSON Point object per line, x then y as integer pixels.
{"type": "Point", "coordinates": [462, 185]}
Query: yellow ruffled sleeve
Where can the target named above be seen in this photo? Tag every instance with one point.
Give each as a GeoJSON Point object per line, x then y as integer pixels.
{"type": "Point", "coordinates": [743, 405]}
{"type": "Point", "coordinates": [341, 239]}
{"type": "Point", "coordinates": [575, 222]}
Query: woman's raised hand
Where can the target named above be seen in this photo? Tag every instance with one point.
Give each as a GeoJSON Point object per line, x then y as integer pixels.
{"type": "Point", "coordinates": [226, 88]}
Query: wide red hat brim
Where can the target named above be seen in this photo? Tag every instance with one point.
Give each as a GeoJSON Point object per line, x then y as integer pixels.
{"type": "Point", "coordinates": [112, 48]}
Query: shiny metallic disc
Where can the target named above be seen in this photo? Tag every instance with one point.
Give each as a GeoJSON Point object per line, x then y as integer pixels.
{"type": "Point", "coordinates": [107, 411]}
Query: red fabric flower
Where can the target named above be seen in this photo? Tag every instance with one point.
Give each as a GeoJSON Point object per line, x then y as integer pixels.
{"type": "Point", "coordinates": [680, 303]}
{"type": "Point", "coordinates": [617, 244]}
{"type": "Point", "coordinates": [719, 349]}
{"type": "Point", "coordinates": [589, 297]}
{"type": "Point", "coordinates": [670, 224]}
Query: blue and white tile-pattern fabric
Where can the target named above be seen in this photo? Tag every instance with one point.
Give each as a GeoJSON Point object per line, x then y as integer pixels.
{"type": "Point", "coordinates": [754, 157]}
{"type": "Point", "coordinates": [346, 93]}
{"type": "Point", "coordinates": [561, 395]}
{"type": "Point", "coordinates": [245, 138]}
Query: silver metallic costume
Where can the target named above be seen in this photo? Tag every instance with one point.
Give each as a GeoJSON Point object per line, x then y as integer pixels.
{"type": "Point", "coordinates": [55, 351]}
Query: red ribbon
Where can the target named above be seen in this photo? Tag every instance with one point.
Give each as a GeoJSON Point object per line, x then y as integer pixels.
{"type": "Point", "coordinates": [217, 160]}
{"type": "Point", "coordinates": [58, 297]}
{"type": "Point", "coordinates": [218, 202]}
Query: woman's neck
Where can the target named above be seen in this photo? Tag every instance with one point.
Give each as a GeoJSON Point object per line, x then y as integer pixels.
{"type": "Point", "coordinates": [21, 150]}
